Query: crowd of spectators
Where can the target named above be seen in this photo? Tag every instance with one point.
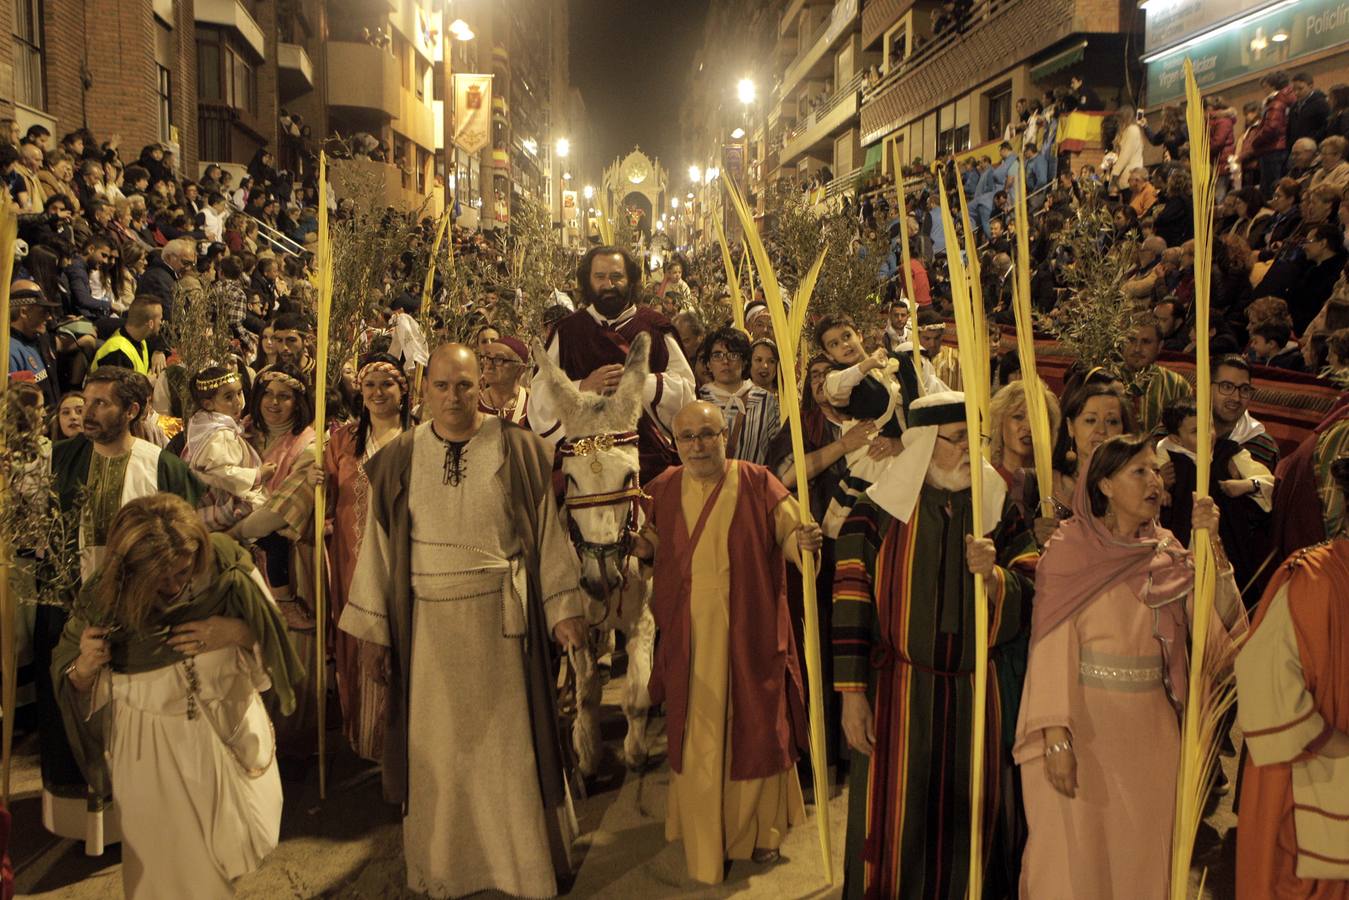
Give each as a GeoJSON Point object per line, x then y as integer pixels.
{"type": "Point", "coordinates": [108, 247]}
{"type": "Point", "coordinates": [1280, 294]}
{"type": "Point", "coordinates": [1279, 272]}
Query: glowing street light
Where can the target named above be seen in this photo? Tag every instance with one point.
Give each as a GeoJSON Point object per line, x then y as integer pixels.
{"type": "Point", "coordinates": [460, 31]}
{"type": "Point", "coordinates": [695, 174]}
{"type": "Point", "coordinates": [589, 191]}
{"type": "Point", "coordinates": [745, 91]}
{"type": "Point", "coordinates": [563, 147]}
{"type": "Point", "coordinates": [711, 175]}
{"type": "Point", "coordinates": [737, 134]}
{"type": "Point", "coordinates": [674, 203]}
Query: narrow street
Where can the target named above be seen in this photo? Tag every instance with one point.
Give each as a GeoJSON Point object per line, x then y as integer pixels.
{"type": "Point", "coordinates": [350, 846]}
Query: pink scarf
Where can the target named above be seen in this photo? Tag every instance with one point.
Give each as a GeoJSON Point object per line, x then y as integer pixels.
{"type": "Point", "coordinates": [284, 453]}
{"type": "Point", "coordinates": [1084, 559]}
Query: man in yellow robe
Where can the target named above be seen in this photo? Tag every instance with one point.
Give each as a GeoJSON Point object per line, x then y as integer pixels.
{"type": "Point", "coordinates": [726, 666]}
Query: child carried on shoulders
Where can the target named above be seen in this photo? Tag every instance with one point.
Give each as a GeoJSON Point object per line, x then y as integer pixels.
{"type": "Point", "coordinates": [864, 388]}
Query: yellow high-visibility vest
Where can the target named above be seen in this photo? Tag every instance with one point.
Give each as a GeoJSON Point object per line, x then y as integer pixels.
{"type": "Point", "coordinates": [120, 343]}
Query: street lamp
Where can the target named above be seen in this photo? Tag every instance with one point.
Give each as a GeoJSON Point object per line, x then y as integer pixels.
{"type": "Point", "coordinates": [737, 134]}
{"type": "Point", "coordinates": [563, 147]}
{"type": "Point", "coordinates": [745, 91]}
{"type": "Point", "coordinates": [589, 191]}
{"type": "Point", "coordinates": [695, 174]}
{"type": "Point", "coordinates": [674, 203]}
{"type": "Point", "coordinates": [460, 30]}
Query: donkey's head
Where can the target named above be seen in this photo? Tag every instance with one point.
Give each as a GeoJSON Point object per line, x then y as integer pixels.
{"type": "Point", "coordinates": [599, 459]}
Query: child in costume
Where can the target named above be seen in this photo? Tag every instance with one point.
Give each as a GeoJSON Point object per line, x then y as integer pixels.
{"type": "Point", "coordinates": [866, 388]}
{"type": "Point", "coordinates": [217, 452]}
{"type": "Point", "coordinates": [1243, 487]}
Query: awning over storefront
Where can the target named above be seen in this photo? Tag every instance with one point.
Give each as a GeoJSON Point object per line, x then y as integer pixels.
{"type": "Point", "coordinates": [873, 158]}
{"type": "Point", "coordinates": [1061, 60]}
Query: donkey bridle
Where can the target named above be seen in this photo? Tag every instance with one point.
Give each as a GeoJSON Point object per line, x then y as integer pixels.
{"type": "Point", "coordinates": [593, 445]}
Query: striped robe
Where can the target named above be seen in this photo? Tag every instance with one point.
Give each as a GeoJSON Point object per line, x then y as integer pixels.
{"type": "Point", "coordinates": [902, 632]}
{"type": "Point", "coordinates": [1154, 391]}
{"type": "Point", "coordinates": [752, 419]}
{"type": "Point", "coordinates": [1305, 484]}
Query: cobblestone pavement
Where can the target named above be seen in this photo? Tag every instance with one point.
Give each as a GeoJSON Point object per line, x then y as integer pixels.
{"type": "Point", "coordinates": [350, 846]}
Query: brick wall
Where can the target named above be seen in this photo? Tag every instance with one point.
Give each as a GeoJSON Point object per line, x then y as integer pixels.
{"type": "Point", "coordinates": [267, 122]}
{"type": "Point", "coordinates": [6, 60]}
{"type": "Point", "coordinates": [119, 46]}
{"type": "Point", "coordinates": [185, 84]}
{"type": "Point", "coordinates": [113, 43]}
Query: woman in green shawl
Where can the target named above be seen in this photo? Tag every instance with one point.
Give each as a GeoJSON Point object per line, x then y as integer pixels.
{"type": "Point", "coordinates": [158, 674]}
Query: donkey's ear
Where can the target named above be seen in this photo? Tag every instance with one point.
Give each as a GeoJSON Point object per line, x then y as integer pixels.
{"type": "Point", "coordinates": [635, 366]}
{"type": "Point", "coordinates": [628, 396]}
{"type": "Point", "coordinates": [555, 382]}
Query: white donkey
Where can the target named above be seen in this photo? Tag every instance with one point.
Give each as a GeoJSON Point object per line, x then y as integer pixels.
{"type": "Point", "coordinates": [599, 459]}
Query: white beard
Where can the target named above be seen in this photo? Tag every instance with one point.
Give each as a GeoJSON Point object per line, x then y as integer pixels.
{"type": "Point", "coordinates": [952, 480]}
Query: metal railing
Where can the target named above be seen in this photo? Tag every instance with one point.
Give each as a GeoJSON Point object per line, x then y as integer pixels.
{"type": "Point", "coordinates": [828, 106]}
{"type": "Point", "coordinates": [842, 183]}
{"type": "Point", "coordinates": [979, 14]}
{"type": "Point", "coordinates": [279, 242]}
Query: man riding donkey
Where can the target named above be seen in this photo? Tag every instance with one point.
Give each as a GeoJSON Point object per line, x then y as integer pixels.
{"type": "Point", "coordinates": [609, 451]}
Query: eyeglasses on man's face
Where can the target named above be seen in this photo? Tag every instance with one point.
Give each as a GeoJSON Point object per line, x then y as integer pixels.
{"type": "Point", "coordinates": [725, 356]}
{"type": "Point", "coordinates": [698, 437]}
{"type": "Point", "coordinates": [959, 439]}
{"type": "Point", "coordinates": [1228, 388]}
{"type": "Point", "coordinates": [486, 360]}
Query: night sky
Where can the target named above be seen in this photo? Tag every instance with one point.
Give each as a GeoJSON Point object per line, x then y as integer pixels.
{"type": "Point", "coordinates": [630, 59]}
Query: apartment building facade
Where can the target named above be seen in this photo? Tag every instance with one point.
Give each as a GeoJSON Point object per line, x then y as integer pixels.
{"type": "Point", "coordinates": [218, 80]}
{"type": "Point", "coordinates": [844, 84]}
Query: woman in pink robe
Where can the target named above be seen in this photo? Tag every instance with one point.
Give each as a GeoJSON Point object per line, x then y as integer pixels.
{"type": "Point", "coordinates": [1098, 739]}
{"type": "Point", "coordinates": [384, 415]}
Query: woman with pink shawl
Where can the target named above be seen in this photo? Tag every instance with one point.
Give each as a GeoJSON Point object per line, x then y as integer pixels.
{"type": "Point", "coordinates": [1098, 735]}
{"type": "Point", "coordinates": [282, 531]}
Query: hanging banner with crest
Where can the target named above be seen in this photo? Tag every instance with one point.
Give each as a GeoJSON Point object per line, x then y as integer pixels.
{"type": "Point", "coordinates": [472, 111]}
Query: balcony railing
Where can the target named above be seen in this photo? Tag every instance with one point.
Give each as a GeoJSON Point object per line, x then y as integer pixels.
{"type": "Point", "coordinates": [978, 14]}
{"type": "Point", "coordinates": [819, 114]}
{"type": "Point", "coordinates": [842, 183]}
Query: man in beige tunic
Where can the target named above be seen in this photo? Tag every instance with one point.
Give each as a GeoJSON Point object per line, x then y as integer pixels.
{"type": "Point", "coordinates": [464, 573]}
{"type": "Point", "coordinates": [726, 665]}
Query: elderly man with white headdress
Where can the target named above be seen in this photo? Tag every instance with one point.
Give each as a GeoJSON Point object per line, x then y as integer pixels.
{"type": "Point", "coordinates": [904, 649]}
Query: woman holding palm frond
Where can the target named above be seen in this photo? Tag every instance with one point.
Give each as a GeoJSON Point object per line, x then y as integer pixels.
{"type": "Point", "coordinates": [1098, 734]}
